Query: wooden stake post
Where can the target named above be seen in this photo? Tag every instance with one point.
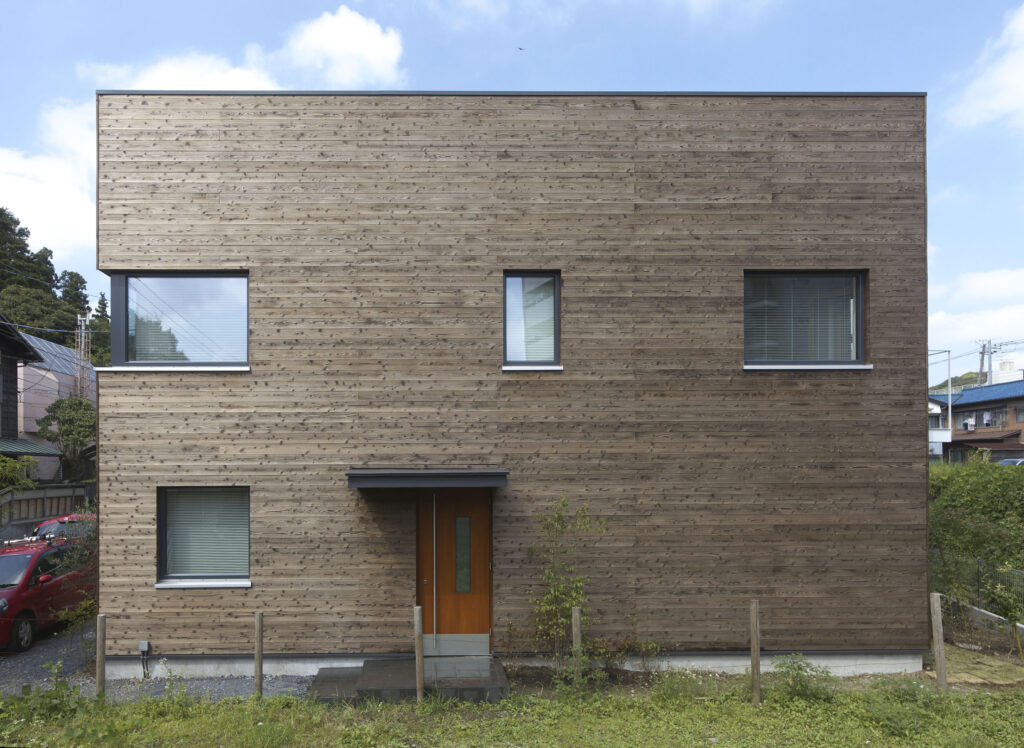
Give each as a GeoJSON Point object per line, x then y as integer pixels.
{"type": "Point", "coordinates": [577, 644]}
{"type": "Point", "coordinates": [101, 654]}
{"type": "Point", "coordinates": [755, 654]}
{"type": "Point", "coordinates": [938, 645]}
{"type": "Point", "coordinates": [417, 628]}
{"type": "Point", "coordinates": [258, 670]}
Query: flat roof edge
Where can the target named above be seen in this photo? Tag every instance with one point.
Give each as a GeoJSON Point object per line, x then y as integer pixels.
{"type": "Point", "coordinates": [833, 94]}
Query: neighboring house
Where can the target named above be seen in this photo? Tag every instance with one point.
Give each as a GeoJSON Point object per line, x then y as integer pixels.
{"type": "Point", "coordinates": [990, 418]}
{"type": "Point", "coordinates": [54, 375]}
{"type": "Point", "coordinates": [362, 343]}
{"type": "Point", "coordinates": [15, 349]}
{"type": "Point", "coordinates": [939, 432]}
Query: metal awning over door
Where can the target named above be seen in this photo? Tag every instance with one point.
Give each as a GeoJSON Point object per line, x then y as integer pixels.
{"type": "Point", "coordinates": [435, 478]}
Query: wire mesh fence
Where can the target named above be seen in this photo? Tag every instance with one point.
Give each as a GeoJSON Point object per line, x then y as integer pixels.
{"type": "Point", "coordinates": [979, 583]}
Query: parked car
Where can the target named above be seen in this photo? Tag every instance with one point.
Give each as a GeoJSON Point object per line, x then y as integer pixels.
{"type": "Point", "coordinates": [66, 526]}
{"type": "Point", "coordinates": [39, 578]}
{"type": "Point", "coordinates": [1012, 461]}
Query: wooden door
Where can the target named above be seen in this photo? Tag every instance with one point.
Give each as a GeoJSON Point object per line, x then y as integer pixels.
{"type": "Point", "coordinates": [454, 537]}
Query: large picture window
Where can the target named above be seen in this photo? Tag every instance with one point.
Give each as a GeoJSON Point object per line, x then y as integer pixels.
{"type": "Point", "coordinates": [803, 318]}
{"type": "Point", "coordinates": [203, 533]}
{"type": "Point", "coordinates": [531, 317]}
{"type": "Point", "coordinates": [179, 319]}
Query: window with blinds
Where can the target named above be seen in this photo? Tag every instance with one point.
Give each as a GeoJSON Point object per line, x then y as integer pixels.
{"type": "Point", "coordinates": [531, 317]}
{"type": "Point", "coordinates": [187, 319]}
{"type": "Point", "coordinates": [803, 318]}
{"type": "Point", "coordinates": [204, 532]}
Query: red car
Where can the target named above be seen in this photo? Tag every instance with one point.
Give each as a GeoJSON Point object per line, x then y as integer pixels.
{"type": "Point", "coordinates": [39, 578]}
{"type": "Point", "coordinates": [68, 526]}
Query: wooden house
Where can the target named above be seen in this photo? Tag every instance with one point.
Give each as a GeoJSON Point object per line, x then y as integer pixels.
{"type": "Point", "coordinates": [987, 418]}
{"type": "Point", "coordinates": [363, 342]}
{"type": "Point", "coordinates": [17, 349]}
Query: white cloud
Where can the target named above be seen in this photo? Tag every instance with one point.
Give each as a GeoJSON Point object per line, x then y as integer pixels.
{"type": "Point", "coordinates": [953, 192]}
{"type": "Point", "coordinates": [337, 50]}
{"type": "Point", "coordinates": [51, 192]}
{"type": "Point", "coordinates": [188, 71]}
{"type": "Point", "coordinates": [992, 286]}
{"type": "Point", "coordinates": [344, 49]}
{"type": "Point", "coordinates": [932, 250]}
{"type": "Point", "coordinates": [937, 291]}
{"type": "Point", "coordinates": [962, 330]}
{"type": "Point", "coordinates": [457, 12]}
{"type": "Point", "coordinates": [996, 90]}
{"type": "Point", "coordinates": [461, 13]}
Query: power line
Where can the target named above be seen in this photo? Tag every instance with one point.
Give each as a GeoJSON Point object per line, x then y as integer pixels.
{"type": "Point", "coordinates": [46, 283]}
{"type": "Point", "coordinates": [53, 329]}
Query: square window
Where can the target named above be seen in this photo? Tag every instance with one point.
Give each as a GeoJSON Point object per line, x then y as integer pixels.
{"type": "Point", "coordinates": [203, 533]}
{"type": "Point", "coordinates": [179, 319]}
{"type": "Point", "coordinates": [532, 317]}
{"type": "Point", "coordinates": [803, 318]}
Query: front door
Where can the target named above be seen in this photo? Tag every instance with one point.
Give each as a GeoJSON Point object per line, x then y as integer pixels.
{"type": "Point", "coordinates": [453, 570]}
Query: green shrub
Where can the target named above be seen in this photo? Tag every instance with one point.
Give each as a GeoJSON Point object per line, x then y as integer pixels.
{"type": "Point", "coordinates": [562, 586]}
{"type": "Point", "coordinates": [678, 686]}
{"type": "Point", "coordinates": [901, 707]}
{"type": "Point", "coordinates": [797, 679]}
{"type": "Point", "coordinates": [977, 511]}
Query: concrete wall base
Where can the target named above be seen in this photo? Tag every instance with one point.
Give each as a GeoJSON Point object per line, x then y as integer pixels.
{"type": "Point", "coordinates": [207, 666]}
{"type": "Point", "coordinates": [214, 666]}
{"type": "Point", "coordinates": [842, 664]}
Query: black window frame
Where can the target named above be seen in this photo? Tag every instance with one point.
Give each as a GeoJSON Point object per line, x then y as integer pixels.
{"type": "Point", "coordinates": [860, 309]}
{"type": "Point", "coordinates": [556, 275]}
{"type": "Point", "coordinates": [119, 316]}
{"type": "Point", "coordinates": [161, 537]}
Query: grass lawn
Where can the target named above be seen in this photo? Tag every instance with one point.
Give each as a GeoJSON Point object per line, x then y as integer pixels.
{"type": "Point", "coordinates": [800, 708]}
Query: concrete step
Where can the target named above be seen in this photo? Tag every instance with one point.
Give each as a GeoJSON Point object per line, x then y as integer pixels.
{"type": "Point", "coordinates": [470, 678]}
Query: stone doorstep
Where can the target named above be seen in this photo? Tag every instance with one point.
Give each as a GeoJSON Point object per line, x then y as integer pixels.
{"type": "Point", "coordinates": [472, 679]}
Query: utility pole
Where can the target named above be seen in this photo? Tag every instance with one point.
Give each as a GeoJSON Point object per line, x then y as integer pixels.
{"type": "Point", "coordinates": [83, 351]}
{"type": "Point", "coordinates": [981, 364]}
{"type": "Point", "coordinates": [990, 352]}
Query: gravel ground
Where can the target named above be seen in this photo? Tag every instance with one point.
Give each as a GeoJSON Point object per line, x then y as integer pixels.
{"type": "Point", "coordinates": [74, 650]}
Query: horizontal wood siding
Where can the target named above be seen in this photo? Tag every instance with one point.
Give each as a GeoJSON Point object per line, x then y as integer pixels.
{"type": "Point", "coordinates": [375, 230]}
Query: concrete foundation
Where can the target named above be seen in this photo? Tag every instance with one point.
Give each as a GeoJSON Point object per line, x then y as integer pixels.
{"type": "Point", "coordinates": [842, 663]}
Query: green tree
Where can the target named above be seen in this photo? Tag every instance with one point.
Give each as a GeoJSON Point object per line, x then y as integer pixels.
{"type": "Point", "coordinates": [100, 340]}
{"type": "Point", "coordinates": [99, 325]}
{"type": "Point", "coordinates": [72, 291]}
{"type": "Point", "coordinates": [39, 308]}
{"type": "Point", "coordinates": [18, 265]}
{"type": "Point", "coordinates": [963, 380]}
{"type": "Point", "coordinates": [562, 586]}
{"type": "Point", "coordinates": [70, 423]}
{"type": "Point", "coordinates": [14, 473]}
{"type": "Point", "coordinates": [975, 527]}
{"type": "Point", "coordinates": [101, 310]}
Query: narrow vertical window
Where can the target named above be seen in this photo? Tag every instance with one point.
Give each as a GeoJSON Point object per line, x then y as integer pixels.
{"type": "Point", "coordinates": [462, 555]}
{"type": "Point", "coordinates": [532, 317]}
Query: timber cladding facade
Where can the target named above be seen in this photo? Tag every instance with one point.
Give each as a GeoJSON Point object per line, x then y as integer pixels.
{"type": "Point", "coordinates": [378, 250]}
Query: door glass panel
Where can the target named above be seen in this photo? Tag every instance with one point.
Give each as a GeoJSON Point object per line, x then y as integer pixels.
{"type": "Point", "coordinates": [462, 554]}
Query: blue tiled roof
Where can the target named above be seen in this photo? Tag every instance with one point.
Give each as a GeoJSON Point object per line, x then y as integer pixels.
{"type": "Point", "coordinates": [57, 358]}
{"type": "Point", "coordinates": [1004, 391]}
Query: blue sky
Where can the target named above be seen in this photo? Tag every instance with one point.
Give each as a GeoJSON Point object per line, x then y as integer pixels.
{"type": "Point", "coordinates": [968, 57]}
